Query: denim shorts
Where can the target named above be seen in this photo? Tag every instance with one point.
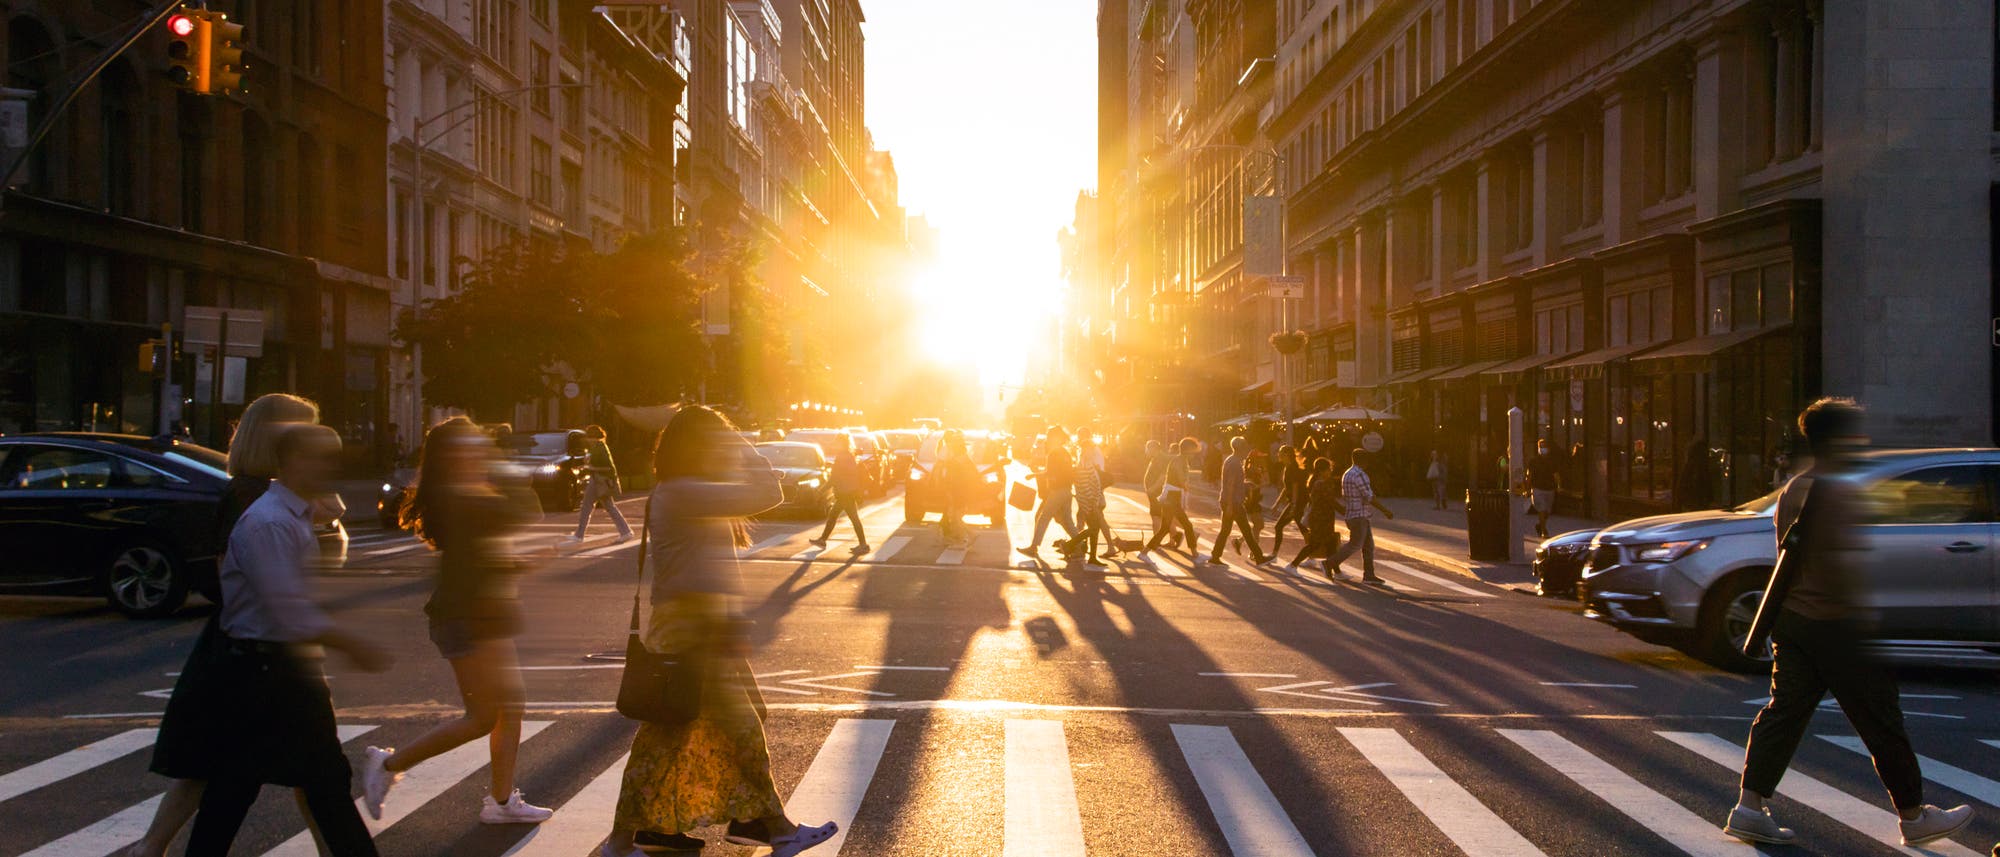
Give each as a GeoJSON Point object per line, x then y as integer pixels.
{"type": "Point", "coordinates": [457, 638]}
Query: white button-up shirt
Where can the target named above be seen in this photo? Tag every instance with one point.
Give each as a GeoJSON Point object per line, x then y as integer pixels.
{"type": "Point", "coordinates": [264, 592]}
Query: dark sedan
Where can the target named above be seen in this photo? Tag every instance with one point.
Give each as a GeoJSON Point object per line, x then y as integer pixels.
{"type": "Point", "coordinates": [1559, 563]}
{"type": "Point", "coordinates": [122, 516]}
{"type": "Point", "coordinates": [558, 476]}
{"type": "Point", "coordinates": [803, 471]}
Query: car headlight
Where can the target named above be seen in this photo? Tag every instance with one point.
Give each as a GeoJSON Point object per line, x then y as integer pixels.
{"type": "Point", "coordinates": [547, 469]}
{"type": "Point", "coordinates": [388, 488]}
{"type": "Point", "coordinates": [992, 478]}
{"type": "Point", "coordinates": [916, 475]}
{"type": "Point", "coordinates": [809, 482]}
{"type": "Point", "coordinates": [1667, 551]}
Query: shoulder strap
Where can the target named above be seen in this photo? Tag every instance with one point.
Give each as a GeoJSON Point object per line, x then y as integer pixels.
{"type": "Point", "coordinates": [1793, 532]}
{"type": "Point", "coordinates": [645, 540]}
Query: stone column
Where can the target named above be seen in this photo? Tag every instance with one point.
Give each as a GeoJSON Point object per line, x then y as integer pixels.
{"type": "Point", "coordinates": [1718, 131]}
{"type": "Point", "coordinates": [1440, 273]}
{"type": "Point", "coordinates": [1621, 164]}
{"type": "Point", "coordinates": [1371, 335]}
{"type": "Point", "coordinates": [1486, 242]}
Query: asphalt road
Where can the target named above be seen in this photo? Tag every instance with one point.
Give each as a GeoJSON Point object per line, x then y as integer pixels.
{"type": "Point", "coordinates": [944, 702]}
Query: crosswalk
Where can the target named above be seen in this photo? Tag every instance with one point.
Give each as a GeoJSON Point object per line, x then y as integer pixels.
{"type": "Point", "coordinates": [1245, 789]}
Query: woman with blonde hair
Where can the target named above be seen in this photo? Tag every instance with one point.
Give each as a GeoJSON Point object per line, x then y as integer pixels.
{"type": "Point", "coordinates": [184, 748]}
{"type": "Point", "coordinates": [716, 767]}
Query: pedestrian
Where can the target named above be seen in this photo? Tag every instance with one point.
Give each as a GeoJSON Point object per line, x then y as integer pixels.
{"type": "Point", "coordinates": [1435, 475]}
{"type": "Point", "coordinates": [1055, 481]}
{"type": "Point", "coordinates": [1233, 499]}
{"type": "Point", "coordinates": [1542, 480]}
{"type": "Point", "coordinates": [1254, 477]}
{"type": "Point", "coordinates": [1293, 479]}
{"type": "Point", "coordinates": [715, 768]}
{"type": "Point", "coordinates": [1694, 490]}
{"type": "Point", "coordinates": [1173, 498]}
{"type": "Point", "coordinates": [464, 513]}
{"type": "Point", "coordinates": [603, 487]}
{"type": "Point", "coordinates": [1155, 482]}
{"type": "Point", "coordinates": [1817, 643]}
{"type": "Point", "coordinates": [275, 722]}
{"type": "Point", "coordinates": [1357, 504]}
{"type": "Point", "coordinates": [958, 477]}
{"type": "Point", "coordinates": [1322, 510]}
{"type": "Point", "coordinates": [848, 487]}
{"type": "Point", "coordinates": [1211, 465]}
{"type": "Point", "coordinates": [178, 751]}
{"type": "Point", "coordinates": [1090, 504]}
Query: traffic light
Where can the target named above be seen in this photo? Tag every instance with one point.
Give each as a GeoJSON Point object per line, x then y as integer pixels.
{"type": "Point", "coordinates": [225, 54]}
{"type": "Point", "coordinates": [187, 50]}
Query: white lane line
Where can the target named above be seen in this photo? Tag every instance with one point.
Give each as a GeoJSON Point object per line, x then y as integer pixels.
{"type": "Point", "coordinates": [1042, 816]}
{"type": "Point", "coordinates": [1165, 568]}
{"type": "Point", "coordinates": [887, 550]}
{"type": "Point", "coordinates": [1588, 684]}
{"type": "Point", "coordinates": [952, 556]}
{"type": "Point", "coordinates": [811, 552]}
{"type": "Point", "coordinates": [906, 669]}
{"type": "Point", "coordinates": [1955, 778]}
{"type": "Point", "coordinates": [1674, 823]}
{"type": "Point", "coordinates": [414, 545]}
{"type": "Point", "coordinates": [567, 667]}
{"type": "Point", "coordinates": [766, 544]}
{"type": "Point", "coordinates": [616, 547]}
{"type": "Point", "coordinates": [1249, 814]}
{"type": "Point", "coordinates": [112, 715]}
{"type": "Point", "coordinates": [62, 767]}
{"type": "Point", "coordinates": [1433, 579]}
{"type": "Point", "coordinates": [420, 786]}
{"type": "Point", "coordinates": [1878, 824]}
{"type": "Point", "coordinates": [1991, 742]}
{"type": "Point", "coordinates": [1250, 675]}
{"type": "Point", "coordinates": [1461, 817]}
{"type": "Point", "coordinates": [839, 775]}
{"type": "Point", "coordinates": [129, 824]}
{"type": "Point", "coordinates": [580, 823]}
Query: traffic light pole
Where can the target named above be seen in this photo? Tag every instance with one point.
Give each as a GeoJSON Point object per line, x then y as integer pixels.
{"type": "Point", "coordinates": [96, 67]}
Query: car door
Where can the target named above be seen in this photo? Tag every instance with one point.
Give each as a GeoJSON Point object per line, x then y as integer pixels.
{"type": "Point", "coordinates": [58, 501]}
{"type": "Point", "coordinates": [1928, 566]}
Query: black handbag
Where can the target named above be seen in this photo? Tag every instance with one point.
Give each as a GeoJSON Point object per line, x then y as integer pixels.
{"type": "Point", "coordinates": [1784, 573]}
{"type": "Point", "coordinates": [663, 689]}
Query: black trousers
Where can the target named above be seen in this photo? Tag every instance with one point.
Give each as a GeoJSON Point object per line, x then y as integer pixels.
{"type": "Point", "coordinates": [1291, 513]}
{"type": "Point", "coordinates": [1239, 518]}
{"type": "Point", "coordinates": [1322, 539]}
{"type": "Point", "coordinates": [1812, 658]}
{"type": "Point", "coordinates": [849, 505]}
{"type": "Point", "coordinates": [226, 801]}
{"type": "Point", "coordinates": [1172, 513]}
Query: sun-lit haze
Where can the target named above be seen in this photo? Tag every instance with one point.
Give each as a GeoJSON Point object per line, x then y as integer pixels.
{"type": "Point", "coordinates": [992, 119]}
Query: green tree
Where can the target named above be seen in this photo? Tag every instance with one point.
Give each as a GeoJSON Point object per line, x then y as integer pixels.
{"type": "Point", "coordinates": [491, 343]}
{"type": "Point", "coordinates": [642, 316]}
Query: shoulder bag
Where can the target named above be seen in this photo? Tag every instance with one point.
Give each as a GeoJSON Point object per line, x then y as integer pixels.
{"type": "Point", "coordinates": [1784, 573]}
{"type": "Point", "coordinates": [664, 689]}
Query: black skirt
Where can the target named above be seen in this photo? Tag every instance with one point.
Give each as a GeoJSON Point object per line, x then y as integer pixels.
{"type": "Point", "coordinates": [255, 712]}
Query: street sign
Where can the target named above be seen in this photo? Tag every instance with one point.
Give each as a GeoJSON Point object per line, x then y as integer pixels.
{"type": "Point", "coordinates": [204, 329]}
{"type": "Point", "coordinates": [14, 117]}
{"type": "Point", "coordinates": [233, 372]}
{"type": "Point", "coordinates": [1290, 287]}
{"type": "Point", "coordinates": [1263, 235]}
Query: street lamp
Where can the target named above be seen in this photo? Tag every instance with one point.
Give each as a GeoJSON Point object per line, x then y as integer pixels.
{"type": "Point", "coordinates": [413, 228]}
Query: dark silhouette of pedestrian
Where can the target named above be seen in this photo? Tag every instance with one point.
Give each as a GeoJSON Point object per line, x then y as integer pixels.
{"type": "Point", "coordinates": [848, 486]}
{"type": "Point", "coordinates": [1358, 504]}
{"type": "Point", "coordinates": [1234, 499]}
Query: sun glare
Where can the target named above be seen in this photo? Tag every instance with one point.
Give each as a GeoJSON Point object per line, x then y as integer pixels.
{"type": "Point", "coordinates": [978, 320]}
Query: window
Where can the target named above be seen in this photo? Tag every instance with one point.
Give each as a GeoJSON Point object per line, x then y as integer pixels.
{"type": "Point", "coordinates": [1639, 317]}
{"type": "Point", "coordinates": [1668, 138]}
{"type": "Point", "coordinates": [347, 165]}
{"type": "Point", "coordinates": [541, 168]}
{"type": "Point", "coordinates": [46, 468]}
{"type": "Point", "coordinates": [538, 77]}
{"type": "Point", "coordinates": [1515, 182]}
{"type": "Point", "coordinates": [1747, 299]}
{"type": "Point", "coordinates": [1559, 330]}
{"type": "Point", "coordinates": [493, 27]}
{"type": "Point", "coordinates": [494, 141]}
{"type": "Point", "coordinates": [1582, 151]}
{"type": "Point", "coordinates": [539, 10]}
{"type": "Point", "coordinates": [1785, 93]}
{"type": "Point", "coordinates": [572, 193]}
{"type": "Point", "coordinates": [1463, 197]}
{"type": "Point", "coordinates": [306, 37]}
{"type": "Point", "coordinates": [1933, 495]}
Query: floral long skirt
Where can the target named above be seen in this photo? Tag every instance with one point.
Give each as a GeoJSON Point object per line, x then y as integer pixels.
{"type": "Point", "coordinates": [713, 770]}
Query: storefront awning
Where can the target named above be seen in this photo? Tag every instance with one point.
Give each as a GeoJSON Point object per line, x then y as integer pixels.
{"type": "Point", "coordinates": [1397, 378]}
{"type": "Point", "coordinates": [1591, 364]}
{"type": "Point", "coordinates": [1244, 420]}
{"type": "Point", "coordinates": [1513, 370]}
{"type": "Point", "coordinates": [1317, 386]}
{"type": "Point", "coordinates": [1468, 370]}
{"type": "Point", "coordinates": [1423, 375]}
{"type": "Point", "coordinates": [1259, 387]}
{"type": "Point", "coordinates": [1704, 348]}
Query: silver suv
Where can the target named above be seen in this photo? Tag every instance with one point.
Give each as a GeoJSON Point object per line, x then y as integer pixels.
{"type": "Point", "coordinates": [1927, 522]}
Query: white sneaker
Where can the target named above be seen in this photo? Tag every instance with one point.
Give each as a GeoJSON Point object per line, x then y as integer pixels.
{"type": "Point", "coordinates": [376, 779]}
{"type": "Point", "coordinates": [1932, 824]}
{"type": "Point", "coordinates": [515, 811]}
{"type": "Point", "coordinates": [1751, 825]}
{"type": "Point", "coordinates": [622, 538]}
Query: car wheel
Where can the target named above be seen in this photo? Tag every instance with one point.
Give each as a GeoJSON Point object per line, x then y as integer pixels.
{"type": "Point", "coordinates": [912, 513]}
{"type": "Point", "coordinates": [1726, 615]}
{"type": "Point", "coordinates": [143, 581]}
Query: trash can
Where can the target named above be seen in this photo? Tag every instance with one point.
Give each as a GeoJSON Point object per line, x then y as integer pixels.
{"type": "Point", "coordinates": [1487, 524]}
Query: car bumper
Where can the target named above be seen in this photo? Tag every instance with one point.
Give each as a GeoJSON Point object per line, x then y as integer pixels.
{"type": "Point", "coordinates": [1626, 596]}
{"type": "Point", "coordinates": [1557, 573]}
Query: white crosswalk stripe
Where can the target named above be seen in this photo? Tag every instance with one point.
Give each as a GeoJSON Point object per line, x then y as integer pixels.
{"type": "Point", "coordinates": [1871, 820]}
{"type": "Point", "coordinates": [74, 762]}
{"type": "Point", "coordinates": [1042, 816]}
{"type": "Point", "coordinates": [419, 786]}
{"type": "Point", "coordinates": [1952, 777]}
{"type": "Point", "coordinates": [838, 778]}
{"type": "Point", "coordinates": [1244, 807]}
{"type": "Point", "coordinates": [128, 825]}
{"type": "Point", "coordinates": [887, 550]}
{"type": "Point", "coordinates": [1433, 579]}
{"type": "Point", "coordinates": [581, 822]}
{"type": "Point", "coordinates": [1655, 812]}
{"type": "Point", "coordinates": [1468, 823]}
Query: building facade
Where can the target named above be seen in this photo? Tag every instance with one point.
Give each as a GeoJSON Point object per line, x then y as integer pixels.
{"type": "Point", "coordinates": [145, 200]}
{"type": "Point", "coordinates": [1656, 228]}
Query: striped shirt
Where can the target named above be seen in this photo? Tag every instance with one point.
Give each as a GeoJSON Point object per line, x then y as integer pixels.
{"type": "Point", "coordinates": [1356, 492]}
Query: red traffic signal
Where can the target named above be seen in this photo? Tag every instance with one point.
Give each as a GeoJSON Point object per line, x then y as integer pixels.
{"type": "Point", "coordinates": [187, 52]}
{"type": "Point", "coordinates": [181, 26]}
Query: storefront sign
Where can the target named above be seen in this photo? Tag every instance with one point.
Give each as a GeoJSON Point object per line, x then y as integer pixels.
{"type": "Point", "coordinates": [1372, 441]}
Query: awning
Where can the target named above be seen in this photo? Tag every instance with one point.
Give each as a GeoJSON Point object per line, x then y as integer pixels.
{"type": "Point", "coordinates": [1398, 378]}
{"type": "Point", "coordinates": [1591, 364]}
{"type": "Point", "coordinates": [1317, 386]}
{"type": "Point", "coordinates": [1260, 387]}
{"type": "Point", "coordinates": [1468, 370]}
{"type": "Point", "coordinates": [1512, 370]}
{"type": "Point", "coordinates": [1702, 348]}
{"type": "Point", "coordinates": [1423, 375]}
{"type": "Point", "coordinates": [1243, 420]}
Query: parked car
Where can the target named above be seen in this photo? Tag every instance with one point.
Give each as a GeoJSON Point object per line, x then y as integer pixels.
{"type": "Point", "coordinates": [1926, 555]}
{"type": "Point", "coordinates": [128, 518]}
{"type": "Point", "coordinates": [805, 474]}
{"type": "Point", "coordinates": [1559, 563]}
{"type": "Point", "coordinates": [922, 493]}
{"type": "Point", "coordinates": [557, 475]}
{"type": "Point", "coordinates": [902, 445]}
{"type": "Point", "coordinates": [866, 453]}
{"type": "Point", "coordinates": [874, 460]}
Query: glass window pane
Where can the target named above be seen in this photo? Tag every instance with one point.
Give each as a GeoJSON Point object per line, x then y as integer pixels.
{"type": "Point", "coordinates": [1662, 328]}
{"type": "Point", "coordinates": [1617, 308]}
{"type": "Point", "coordinates": [56, 469]}
{"type": "Point", "coordinates": [1715, 310]}
{"type": "Point", "coordinates": [1778, 293]}
{"type": "Point", "coordinates": [1936, 495]}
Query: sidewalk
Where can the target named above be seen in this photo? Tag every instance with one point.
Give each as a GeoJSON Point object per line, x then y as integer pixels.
{"type": "Point", "coordinates": [1423, 533]}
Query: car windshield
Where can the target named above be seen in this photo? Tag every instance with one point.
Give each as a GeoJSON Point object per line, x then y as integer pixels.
{"type": "Point", "coordinates": [787, 455]}
{"type": "Point", "coordinates": [827, 441]}
{"type": "Point", "coordinates": [200, 458]}
{"type": "Point", "coordinates": [902, 440]}
{"type": "Point", "coordinates": [1760, 506]}
{"type": "Point", "coordinates": [865, 443]}
{"type": "Point", "coordinates": [539, 443]}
